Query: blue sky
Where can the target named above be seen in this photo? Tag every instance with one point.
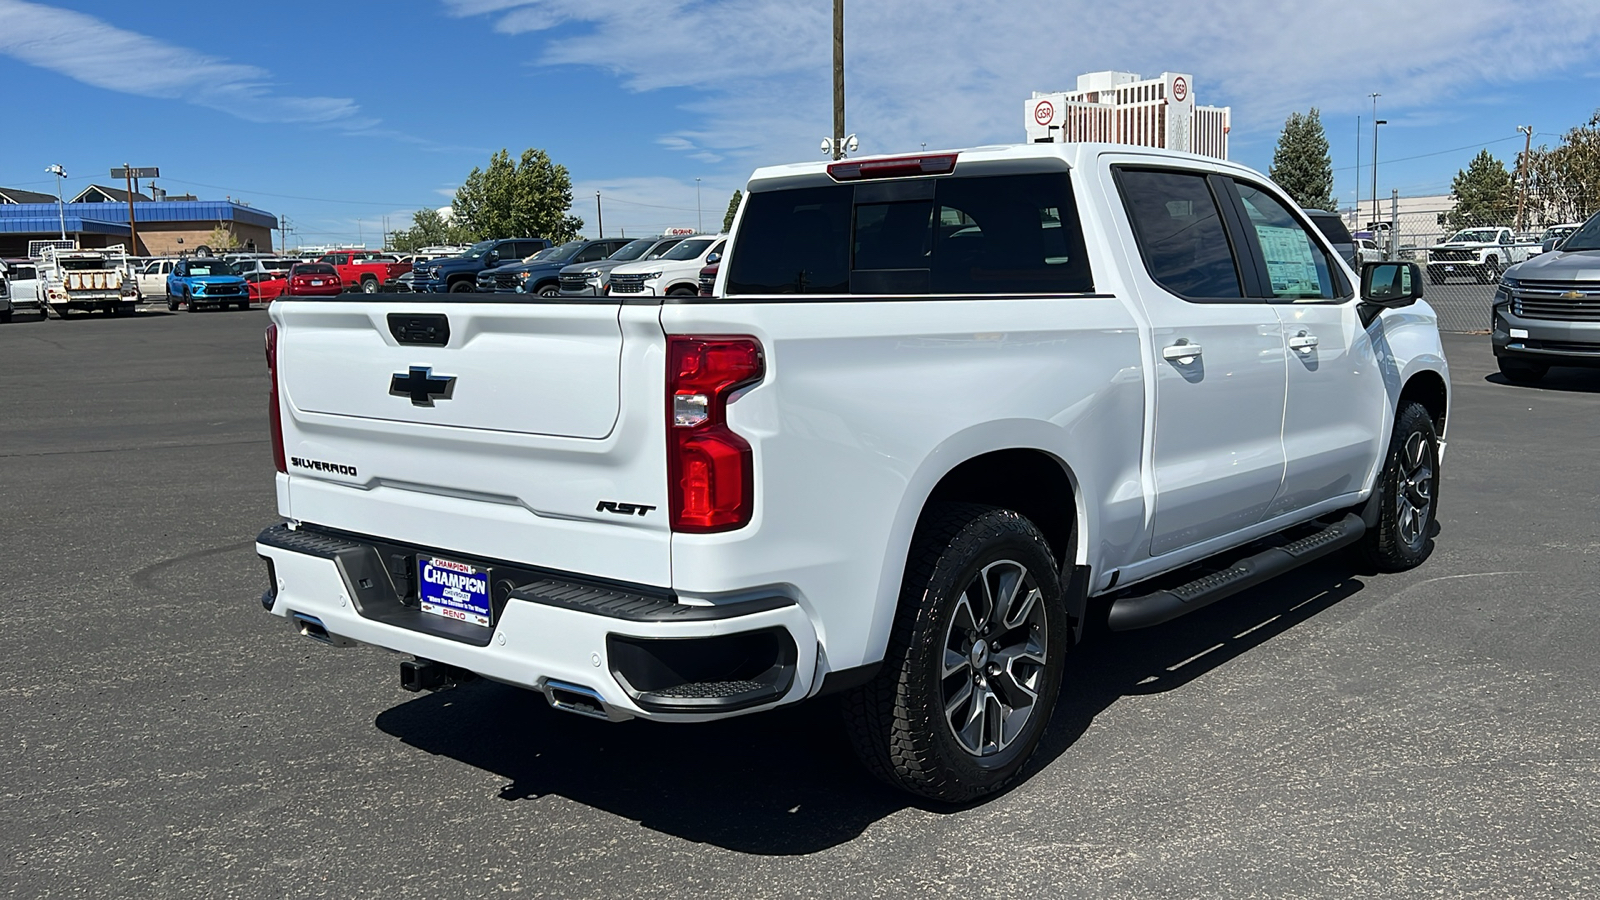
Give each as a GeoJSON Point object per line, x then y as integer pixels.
{"type": "Point", "coordinates": [340, 114]}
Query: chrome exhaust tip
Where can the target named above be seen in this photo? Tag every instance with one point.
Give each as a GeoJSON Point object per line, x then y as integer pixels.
{"type": "Point", "coordinates": [584, 701]}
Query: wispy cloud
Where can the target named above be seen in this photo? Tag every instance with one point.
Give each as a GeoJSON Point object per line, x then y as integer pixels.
{"type": "Point", "coordinates": [96, 53]}
{"type": "Point", "coordinates": [955, 74]}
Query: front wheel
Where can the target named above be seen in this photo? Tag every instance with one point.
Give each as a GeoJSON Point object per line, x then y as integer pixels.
{"type": "Point", "coordinates": [1490, 273]}
{"type": "Point", "coordinates": [462, 287]}
{"type": "Point", "coordinates": [1408, 488]}
{"type": "Point", "coordinates": [172, 303]}
{"type": "Point", "coordinates": [974, 660]}
{"type": "Point", "coordinates": [551, 289]}
{"type": "Point", "coordinates": [1522, 372]}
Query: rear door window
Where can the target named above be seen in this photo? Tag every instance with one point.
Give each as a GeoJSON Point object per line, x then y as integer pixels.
{"type": "Point", "coordinates": [1001, 234]}
{"type": "Point", "coordinates": [1179, 229]}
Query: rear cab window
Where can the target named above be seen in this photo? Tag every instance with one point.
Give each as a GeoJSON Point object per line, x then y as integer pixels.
{"type": "Point", "coordinates": [951, 234]}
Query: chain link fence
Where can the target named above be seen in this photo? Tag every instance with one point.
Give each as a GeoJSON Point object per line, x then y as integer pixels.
{"type": "Point", "coordinates": [1462, 256]}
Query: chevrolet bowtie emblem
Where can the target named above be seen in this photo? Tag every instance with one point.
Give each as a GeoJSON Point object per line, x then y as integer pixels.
{"type": "Point", "coordinates": [1573, 295]}
{"type": "Point", "coordinates": [422, 386]}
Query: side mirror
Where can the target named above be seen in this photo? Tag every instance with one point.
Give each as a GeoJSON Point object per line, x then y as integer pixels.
{"type": "Point", "coordinates": [712, 258]}
{"type": "Point", "coordinates": [492, 258]}
{"type": "Point", "coordinates": [1391, 285]}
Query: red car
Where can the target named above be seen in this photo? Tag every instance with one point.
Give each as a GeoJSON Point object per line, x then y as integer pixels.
{"type": "Point", "coordinates": [313, 280]}
{"type": "Point", "coordinates": [265, 287]}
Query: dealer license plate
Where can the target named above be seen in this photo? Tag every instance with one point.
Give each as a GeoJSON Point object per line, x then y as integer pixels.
{"type": "Point", "coordinates": [454, 590]}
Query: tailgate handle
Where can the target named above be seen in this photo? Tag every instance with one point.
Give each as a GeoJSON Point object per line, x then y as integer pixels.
{"type": "Point", "coordinates": [431, 329]}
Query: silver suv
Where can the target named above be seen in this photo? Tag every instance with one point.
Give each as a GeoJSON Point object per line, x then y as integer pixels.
{"type": "Point", "coordinates": [1547, 310]}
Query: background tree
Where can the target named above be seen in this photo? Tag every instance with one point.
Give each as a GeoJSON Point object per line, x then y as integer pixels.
{"type": "Point", "coordinates": [428, 229]}
{"type": "Point", "coordinates": [1300, 162]}
{"type": "Point", "coordinates": [733, 207]}
{"type": "Point", "coordinates": [221, 239]}
{"type": "Point", "coordinates": [531, 198]}
{"type": "Point", "coordinates": [1564, 182]}
{"type": "Point", "coordinates": [1483, 193]}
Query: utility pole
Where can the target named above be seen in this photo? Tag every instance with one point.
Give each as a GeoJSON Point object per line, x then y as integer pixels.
{"type": "Point", "coordinates": [283, 233]}
{"type": "Point", "coordinates": [699, 219]}
{"type": "Point", "coordinates": [838, 79]}
{"type": "Point", "coordinates": [1527, 148]}
{"type": "Point", "coordinates": [131, 175]}
{"type": "Point", "coordinates": [599, 217]}
{"type": "Point", "coordinates": [1358, 174]}
{"type": "Point", "coordinates": [61, 207]}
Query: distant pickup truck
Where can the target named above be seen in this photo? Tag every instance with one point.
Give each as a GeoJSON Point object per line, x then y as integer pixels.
{"type": "Point", "coordinates": [365, 271]}
{"type": "Point", "coordinates": [1481, 253]}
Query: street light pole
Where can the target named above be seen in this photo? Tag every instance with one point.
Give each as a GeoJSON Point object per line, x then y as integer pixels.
{"type": "Point", "coordinates": [61, 208]}
{"type": "Point", "coordinates": [1358, 174]}
{"type": "Point", "coordinates": [699, 220]}
{"type": "Point", "coordinates": [599, 217]}
{"type": "Point", "coordinates": [1375, 123]}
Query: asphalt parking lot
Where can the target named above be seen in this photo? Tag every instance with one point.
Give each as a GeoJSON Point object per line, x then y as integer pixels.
{"type": "Point", "coordinates": [1328, 735]}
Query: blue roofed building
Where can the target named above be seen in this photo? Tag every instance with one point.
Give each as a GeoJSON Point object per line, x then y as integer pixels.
{"type": "Point", "coordinates": [98, 217]}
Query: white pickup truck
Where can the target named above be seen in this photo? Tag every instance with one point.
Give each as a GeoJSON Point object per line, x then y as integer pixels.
{"type": "Point", "coordinates": [940, 411]}
{"type": "Point", "coordinates": [1477, 253]}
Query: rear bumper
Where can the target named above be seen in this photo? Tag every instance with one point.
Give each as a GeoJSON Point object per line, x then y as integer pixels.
{"type": "Point", "coordinates": [1548, 341]}
{"type": "Point", "coordinates": [635, 647]}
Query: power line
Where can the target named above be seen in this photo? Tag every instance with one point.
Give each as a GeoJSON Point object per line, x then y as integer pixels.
{"type": "Point", "coordinates": [1480, 144]}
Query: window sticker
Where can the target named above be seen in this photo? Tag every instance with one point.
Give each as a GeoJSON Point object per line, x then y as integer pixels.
{"type": "Point", "coordinates": [1290, 263]}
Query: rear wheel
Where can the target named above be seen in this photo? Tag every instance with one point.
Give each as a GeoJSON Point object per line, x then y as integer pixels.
{"type": "Point", "coordinates": [369, 285]}
{"type": "Point", "coordinates": [974, 660]}
{"type": "Point", "coordinates": [1407, 490]}
{"type": "Point", "coordinates": [1520, 371]}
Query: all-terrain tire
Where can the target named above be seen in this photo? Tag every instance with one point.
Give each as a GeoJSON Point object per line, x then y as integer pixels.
{"type": "Point", "coordinates": [1408, 495]}
{"type": "Point", "coordinates": [898, 722]}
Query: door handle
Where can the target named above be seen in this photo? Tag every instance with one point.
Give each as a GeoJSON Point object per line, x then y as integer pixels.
{"type": "Point", "coordinates": [1303, 342]}
{"type": "Point", "coordinates": [1182, 353]}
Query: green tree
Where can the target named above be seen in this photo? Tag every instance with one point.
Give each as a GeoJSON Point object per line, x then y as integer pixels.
{"type": "Point", "coordinates": [531, 198]}
{"type": "Point", "coordinates": [428, 229]}
{"type": "Point", "coordinates": [1483, 193]}
{"type": "Point", "coordinates": [1300, 162]}
{"type": "Point", "coordinates": [1564, 182]}
{"type": "Point", "coordinates": [733, 207]}
{"type": "Point", "coordinates": [221, 239]}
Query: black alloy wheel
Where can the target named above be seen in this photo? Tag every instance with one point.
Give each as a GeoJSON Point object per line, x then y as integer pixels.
{"type": "Point", "coordinates": [1408, 491]}
{"type": "Point", "coordinates": [974, 662]}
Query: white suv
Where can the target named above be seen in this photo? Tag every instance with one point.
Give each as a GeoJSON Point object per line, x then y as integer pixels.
{"type": "Point", "coordinates": [940, 411]}
{"type": "Point", "coordinates": [674, 273]}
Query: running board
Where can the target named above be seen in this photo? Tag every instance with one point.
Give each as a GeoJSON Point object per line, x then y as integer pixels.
{"type": "Point", "coordinates": [1145, 610]}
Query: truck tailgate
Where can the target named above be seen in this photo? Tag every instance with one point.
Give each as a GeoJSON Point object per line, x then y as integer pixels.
{"type": "Point", "coordinates": [511, 438]}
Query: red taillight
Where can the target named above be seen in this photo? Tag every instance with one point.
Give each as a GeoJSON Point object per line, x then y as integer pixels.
{"type": "Point", "coordinates": [279, 458]}
{"type": "Point", "coordinates": [898, 167]}
{"type": "Point", "coordinates": [710, 472]}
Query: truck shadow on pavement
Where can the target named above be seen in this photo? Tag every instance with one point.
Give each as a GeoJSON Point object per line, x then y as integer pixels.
{"type": "Point", "coordinates": [787, 782]}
